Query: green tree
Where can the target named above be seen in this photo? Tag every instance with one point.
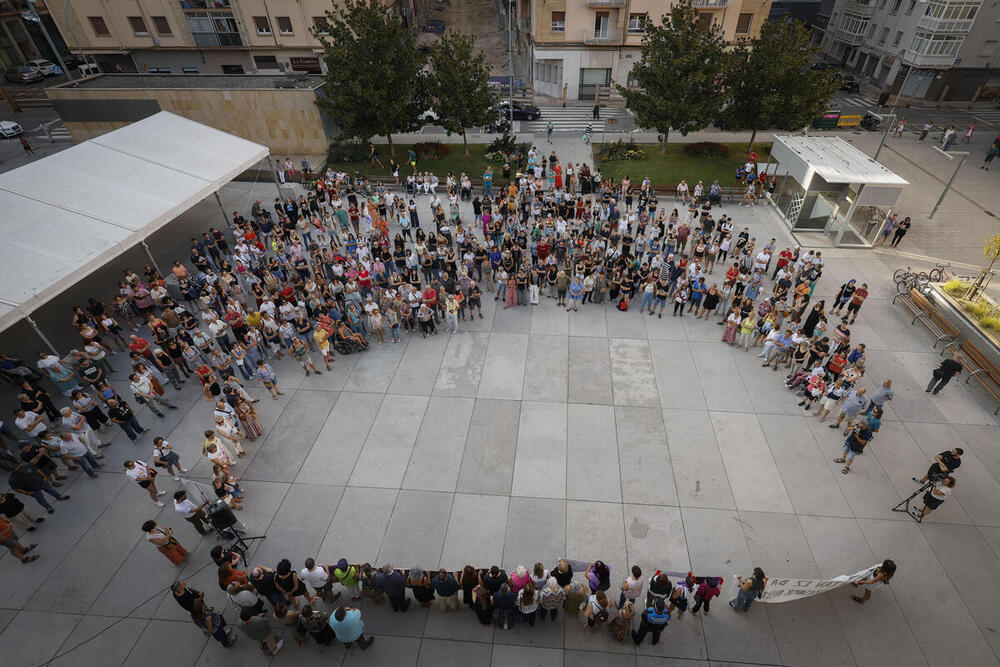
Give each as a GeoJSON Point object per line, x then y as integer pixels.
{"type": "Point", "coordinates": [769, 83]}
{"type": "Point", "coordinates": [374, 82]}
{"type": "Point", "coordinates": [460, 84]}
{"type": "Point", "coordinates": [678, 74]}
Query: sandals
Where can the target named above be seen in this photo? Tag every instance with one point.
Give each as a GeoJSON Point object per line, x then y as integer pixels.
{"type": "Point", "coordinates": [839, 460]}
{"type": "Point", "coordinates": [857, 599]}
{"type": "Point", "coordinates": [845, 470]}
{"type": "Point", "coordinates": [29, 559]}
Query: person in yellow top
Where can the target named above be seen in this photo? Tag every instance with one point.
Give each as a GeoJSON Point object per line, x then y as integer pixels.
{"type": "Point", "coordinates": [746, 330]}
{"type": "Point", "coordinates": [322, 339]}
{"type": "Point", "coordinates": [255, 320]}
{"type": "Point", "coordinates": [451, 314]}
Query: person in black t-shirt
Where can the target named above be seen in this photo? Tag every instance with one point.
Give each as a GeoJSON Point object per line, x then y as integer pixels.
{"type": "Point", "coordinates": [186, 596]}
{"type": "Point", "coordinates": [945, 463]}
{"type": "Point", "coordinates": [948, 369]}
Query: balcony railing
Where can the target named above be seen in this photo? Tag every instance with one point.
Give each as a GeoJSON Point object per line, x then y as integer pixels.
{"type": "Point", "coordinates": [848, 37]}
{"type": "Point", "coordinates": [609, 36]}
{"type": "Point", "coordinates": [859, 8]}
{"type": "Point", "coordinates": [924, 60]}
{"type": "Point", "coordinates": [600, 4]}
{"type": "Point", "coordinates": [932, 24]}
{"type": "Point", "coordinates": [710, 3]}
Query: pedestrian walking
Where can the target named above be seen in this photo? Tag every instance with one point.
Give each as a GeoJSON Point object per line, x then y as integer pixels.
{"type": "Point", "coordinates": [548, 130]}
{"type": "Point", "coordinates": [163, 539]}
{"type": "Point", "coordinates": [947, 369]}
{"type": "Point", "coordinates": [597, 110]}
{"type": "Point", "coordinates": [880, 575]}
{"type": "Point", "coordinates": [748, 590]}
{"type": "Point", "coordinates": [349, 628]}
{"type": "Point", "coordinates": [901, 230]}
{"type": "Point", "coordinates": [28, 150]}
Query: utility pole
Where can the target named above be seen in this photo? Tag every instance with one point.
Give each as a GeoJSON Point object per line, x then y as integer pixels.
{"type": "Point", "coordinates": [950, 156]}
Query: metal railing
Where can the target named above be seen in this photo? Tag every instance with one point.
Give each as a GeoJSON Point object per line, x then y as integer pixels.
{"type": "Point", "coordinates": [609, 36]}
{"type": "Point", "coordinates": [710, 3]}
{"type": "Point", "coordinates": [605, 3]}
{"type": "Point", "coordinates": [945, 25]}
{"type": "Point", "coordinates": [916, 59]}
{"type": "Point", "coordinates": [859, 8]}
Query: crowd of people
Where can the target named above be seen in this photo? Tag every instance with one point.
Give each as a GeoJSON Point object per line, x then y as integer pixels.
{"type": "Point", "coordinates": [350, 263]}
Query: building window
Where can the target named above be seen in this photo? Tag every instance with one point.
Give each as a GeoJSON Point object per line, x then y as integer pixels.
{"type": "Point", "coordinates": [213, 28]}
{"type": "Point", "coordinates": [161, 25]}
{"type": "Point", "coordinates": [899, 36]}
{"type": "Point", "coordinates": [637, 23]}
{"type": "Point", "coordinates": [705, 21]}
{"type": "Point", "coordinates": [884, 35]}
{"type": "Point", "coordinates": [871, 30]}
{"type": "Point", "coordinates": [743, 24]}
{"type": "Point", "coordinates": [138, 25]}
{"type": "Point", "coordinates": [262, 25]}
{"type": "Point", "coordinates": [911, 6]}
{"type": "Point", "coordinates": [266, 62]}
{"type": "Point", "coordinates": [98, 25]}
{"type": "Point", "coordinates": [895, 6]}
{"type": "Point", "coordinates": [558, 21]}
{"type": "Point", "coordinates": [232, 69]}
{"type": "Point", "coordinates": [158, 70]}
{"type": "Point", "coordinates": [321, 25]}
{"type": "Point", "coordinates": [189, 70]}
{"type": "Point", "coordinates": [284, 25]}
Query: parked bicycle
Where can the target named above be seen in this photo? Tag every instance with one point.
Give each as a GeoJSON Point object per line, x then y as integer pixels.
{"type": "Point", "coordinates": [907, 279]}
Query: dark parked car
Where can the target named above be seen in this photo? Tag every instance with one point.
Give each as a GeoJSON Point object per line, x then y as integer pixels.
{"type": "Point", "coordinates": [849, 84]}
{"type": "Point", "coordinates": [22, 74]}
{"type": "Point", "coordinates": [521, 111]}
{"type": "Point", "coordinates": [822, 66]}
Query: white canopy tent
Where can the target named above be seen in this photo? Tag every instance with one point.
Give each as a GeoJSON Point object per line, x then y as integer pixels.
{"type": "Point", "coordinates": [66, 215]}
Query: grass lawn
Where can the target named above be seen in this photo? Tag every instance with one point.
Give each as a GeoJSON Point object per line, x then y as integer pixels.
{"type": "Point", "coordinates": [667, 169]}
{"type": "Point", "coordinates": [456, 162]}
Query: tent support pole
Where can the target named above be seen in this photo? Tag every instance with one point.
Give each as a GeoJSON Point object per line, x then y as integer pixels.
{"type": "Point", "coordinates": [218, 198]}
{"type": "Point", "coordinates": [274, 174]}
{"type": "Point", "coordinates": [150, 256]}
{"type": "Point", "coordinates": [48, 343]}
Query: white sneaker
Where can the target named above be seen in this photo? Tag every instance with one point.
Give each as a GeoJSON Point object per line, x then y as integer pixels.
{"type": "Point", "coordinates": [159, 504]}
{"type": "Point", "coordinates": [278, 645]}
{"type": "Point", "coordinates": [184, 469]}
{"type": "Point", "coordinates": [177, 479]}
{"type": "Point", "coordinates": [163, 493]}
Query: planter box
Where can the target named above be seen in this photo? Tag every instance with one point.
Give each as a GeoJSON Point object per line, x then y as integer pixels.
{"type": "Point", "coordinates": [951, 309]}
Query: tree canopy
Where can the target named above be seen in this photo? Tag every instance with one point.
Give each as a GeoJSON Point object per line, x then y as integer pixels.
{"type": "Point", "coordinates": [459, 84]}
{"type": "Point", "coordinates": [374, 82]}
{"type": "Point", "coordinates": [769, 83]}
{"type": "Point", "coordinates": [679, 73]}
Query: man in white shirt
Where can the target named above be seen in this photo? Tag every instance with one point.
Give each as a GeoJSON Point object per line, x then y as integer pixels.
{"type": "Point", "coordinates": [76, 423]}
{"type": "Point", "coordinates": [318, 576]}
{"type": "Point", "coordinates": [30, 422]}
{"type": "Point", "coordinates": [72, 448]}
{"type": "Point", "coordinates": [192, 513]}
{"type": "Point", "coordinates": [142, 387]}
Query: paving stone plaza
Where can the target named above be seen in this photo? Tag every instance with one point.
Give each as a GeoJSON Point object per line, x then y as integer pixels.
{"type": "Point", "coordinates": [533, 434]}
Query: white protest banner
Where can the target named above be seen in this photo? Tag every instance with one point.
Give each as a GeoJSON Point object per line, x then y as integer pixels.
{"type": "Point", "coordinates": [786, 590]}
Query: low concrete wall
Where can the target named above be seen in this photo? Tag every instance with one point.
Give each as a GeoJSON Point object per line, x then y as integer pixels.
{"type": "Point", "coordinates": [288, 121]}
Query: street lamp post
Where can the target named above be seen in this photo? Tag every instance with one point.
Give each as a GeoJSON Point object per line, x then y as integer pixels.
{"type": "Point", "coordinates": [32, 15]}
{"type": "Point", "coordinates": [950, 156]}
{"type": "Point", "coordinates": [510, 66]}
{"type": "Point", "coordinates": [888, 129]}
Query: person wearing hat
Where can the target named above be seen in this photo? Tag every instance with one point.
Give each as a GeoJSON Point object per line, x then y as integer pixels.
{"type": "Point", "coordinates": [347, 576]}
{"type": "Point", "coordinates": [654, 619]}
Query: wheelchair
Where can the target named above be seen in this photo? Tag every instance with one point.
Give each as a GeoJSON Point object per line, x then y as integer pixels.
{"type": "Point", "coordinates": [347, 346]}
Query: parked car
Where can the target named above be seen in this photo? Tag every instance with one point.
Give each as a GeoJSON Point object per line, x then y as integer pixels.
{"type": "Point", "coordinates": [849, 83]}
{"type": "Point", "coordinates": [46, 67]}
{"type": "Point", "coordinates": [822, 66]}
{"type": "Point", "coordinates": [22, 74]}
{"type": "Point", "coordinates": [9, 128]}
{"type": "Point", "coordinates": [521, 111]}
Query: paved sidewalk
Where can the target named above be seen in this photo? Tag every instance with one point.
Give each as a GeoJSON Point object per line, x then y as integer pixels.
{"type": "Point", "coordinates": [534, 434]}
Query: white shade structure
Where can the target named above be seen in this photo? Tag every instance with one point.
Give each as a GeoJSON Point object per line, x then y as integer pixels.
{"type": "Point", "coordinates": [63, 216]}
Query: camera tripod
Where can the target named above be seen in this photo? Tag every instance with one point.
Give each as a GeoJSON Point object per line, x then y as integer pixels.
{"type": "Point", "coordinates": [913, 511]}
{"type": "Point", "coordinates": [238, 542]}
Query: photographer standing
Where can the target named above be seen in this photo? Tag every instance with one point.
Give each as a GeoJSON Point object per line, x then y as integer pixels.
{"type": "Point", "coordinates": [936, 495]}
{"type": "Point", "coordinates": [944, 464]}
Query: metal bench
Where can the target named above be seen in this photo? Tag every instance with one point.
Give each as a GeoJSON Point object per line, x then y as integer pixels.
{"type": "Point", "coordinates": [925, 311]}
{"type": "Point", "coordinates": [981, 368]}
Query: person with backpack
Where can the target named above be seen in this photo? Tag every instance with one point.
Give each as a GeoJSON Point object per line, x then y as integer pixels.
{"type": "Point", "coordinates": [621, 625]}
{"type": "Point", "coordinates": [654, 619]}
{"type": "Point", "coordinates": [880, 575]}
{"type": "Point", "coordinates": [596, 611]}
{"type": "Point", "coordinates": [860, 436]}
{"type": "Point", "coordinates": [748, 590]}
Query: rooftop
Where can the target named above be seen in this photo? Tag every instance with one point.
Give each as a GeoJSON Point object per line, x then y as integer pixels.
{"type": "Point", "coordinates": [207, 81]}
{"type": "Point", "coordinates": [837, 161]}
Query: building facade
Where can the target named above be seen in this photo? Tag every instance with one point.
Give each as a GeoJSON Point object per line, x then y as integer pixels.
{"type": "Point", "coordinates": [201, 36]}
{"type": "Point", "coordinates": [587, 45]}
{"type": "Point", "coordinates": [914, 49]}
{"type": "Point", "coordinates": [22, 40]}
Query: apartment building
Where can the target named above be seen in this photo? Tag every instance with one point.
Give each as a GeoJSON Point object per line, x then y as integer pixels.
{"type": "Point", "coordinates": [22, 40]}
{"type": "Point", "coordinates": [914, 48]}
{"type": "Point", "coordinates": [201, 36]}
{"type": "Point", "coordinates": [586, 45]}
